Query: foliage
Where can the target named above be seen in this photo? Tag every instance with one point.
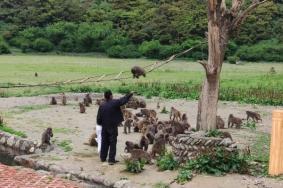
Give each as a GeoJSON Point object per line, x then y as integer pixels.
{"type": "Point", "coordinates": [66, 145]}
{"type": "Point", "coordinates": [167, 162]}
{"type": "Point", "coordinates": [129, 51]}
{"type": "Point", "coordinates": [161, 185]}
{"type": "Point", "coordinates": [4, 49]}
{"type": "Point", "coordinates": [213, 133]}
{"type": "Point", "coordinates": [232, 59]}
{"type": "Point", "coordinates": [250, 124]}
{"type": "Point", "coordinates": [10, 130]}
{"type": "Point", "coordinates": [217, 162]}
{"type": "Point", "coordinates": [42, 45]}
{"type": "Point", "coordinates": [150, 49]}
{"type": "Point", "coordinates": [269, 50]}
{"type": "Point", "coordinates": [134, 166]}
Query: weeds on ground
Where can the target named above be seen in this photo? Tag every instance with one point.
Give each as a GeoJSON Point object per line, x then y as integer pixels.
{"type": "Point", "coordinates": [134, 166]}
{"type": "Point", "coordinates": [167, 162]}
{"type": "Point", "coordinates": [66, 145]}
{"type": "Point", "coordinates": [10, 130]}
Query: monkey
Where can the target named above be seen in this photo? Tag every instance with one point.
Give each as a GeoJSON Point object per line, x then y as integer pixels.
{"type": "Point", "coordinates": [158, 105]}
{"type": "Point", "coordinates": [130, 146]}
{"type": "Point", "coordinates": [46, 136]}
{"type": "Point", "coordinates": [150, 137]}
{"type": "Point", "coordinates": [178, 128]}
{"type": "Point", "coordinates": [144, 143]}
{"type": "Point", "coordinates": [139, 154]}
{"type": "Point", "coordinates": [175, 114]}
{"type": "Point", "coordinates": [127, 114]}
{"type": "Point", "coordinates": [158, 146]}
{"type": "Point", "coordinates": [232, 120]}
{"type": "Point", "coordinates": [76, 98]}
{"type": "Point", "coordinates": [136, 118]}
{"type": "Point", "coordinates": [143, 123]}
{"type": "Point", "coordinates": [82, 107]}
{"type": "Point", "coordinates": [1, 121]}
{"type": "Point", "coordinates": [138, 71]}
{"type": "Point", "coordinates": [142, 103]}
{"type": "Point", "coordinates": [88, 98]}
{"type": "Point", "coordinates": [255, 116]}
{"type": "Point", "coordinates": [220, 124]}
{"type": "Point", "coordinates": [86, 103]}
{"type": "Point", "coordinates": [127, 125]}
{"type": "Point", "coordinates": [226, 135]}
{"type": "Point", "coordinates": [272, 70]}
{"type": "Point", "coordinates": [139, 114]}
{"type": "Point", "coordinates": [184, 121]}
{"type": "Point", "coordinates": [92, 140]}
{"type": "Point", "coordinates": [99, 101]}
{"type": "Point", "coordinates": [148, 113]}
{"type": "Point", "coordinates": [64, 99]}
{"type": "Point", "coordinates": [53, 101]}
{"type": "Point", "coordinates": [36, 74]}
{"type": "Point", "coordinates": [136, 129]}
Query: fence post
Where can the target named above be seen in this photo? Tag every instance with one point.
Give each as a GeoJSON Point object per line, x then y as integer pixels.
{"type": "Point", "coordinates": [276, 144]}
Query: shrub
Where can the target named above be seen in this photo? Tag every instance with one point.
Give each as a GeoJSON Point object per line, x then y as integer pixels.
{"type": "Point", "coordinates": [167, 50]}
{"type": "Point", "coordinates": [32, 33]}
{"type": "Point", "coordinates": [42, 45]}
{"type": "Point", "coordinates": [67, 45]}
{"type": "Point", "coordinates": [129, 51]}
{"type": "Point", "coordinates": [4, 48]}
{"type": "Point", "coordinates": [134, 166]}
{"type": "Point", "coordinates": [150, 49]}
{"type": "Point", "coordinates": [233, 59]}
{"type": "Point", "coordinates": [114, 39]}
{"type": "Point", "coordinates": [213, 133]}
{"type": "Point", "coordinates": [184, 176]}
{"type": "Point", "coordinates": [250, 124]}
{"type": "Point", "coordinates": [167, 162]}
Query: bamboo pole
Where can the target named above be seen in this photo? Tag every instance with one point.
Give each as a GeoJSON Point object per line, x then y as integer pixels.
{"type": "Point", "coordinates": [276, 145]}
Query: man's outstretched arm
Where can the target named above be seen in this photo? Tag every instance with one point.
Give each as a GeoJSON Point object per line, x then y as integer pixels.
{"type": "Point", "coordinates": [123, 100]}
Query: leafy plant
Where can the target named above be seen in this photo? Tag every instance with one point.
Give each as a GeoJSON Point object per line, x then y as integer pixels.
{"type": "Point", "coordinates": [250, 124]}
{"type": "Point", "coordinates": [213, 133]}
{"type": "Point", "coordinates": [184, 176]}
{"type": "Point", "coordinates": [167, 162]}
{"type": "Point", "coordinates": [10, 130]}
{"type": "Point", "coordinates": [134, 166]}
{"type": "Point", "coordinates": [66, 145]}
{"type": "Point", "coordinates": [161, 185]}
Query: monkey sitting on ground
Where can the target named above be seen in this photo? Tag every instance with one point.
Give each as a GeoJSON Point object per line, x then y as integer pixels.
{"type": "Point", "coordinates": [150, 137]}
{"type": "Point", "coordinates": [144, 143]}
{"type": "Point", "coordinates": [88, 98]}
{"type": "Point", "coordinates": [226, 135]}
{"type": "Point", "coordinates": [86, 103]}
{"type": "Point", "coordinates": [255, 116]}
{"type": "Point", "coordinates": [137, 72]}
{"type": "Point", "coordinates": [127, 114]}
{"type": "Point", "coordinates": [127, 125]}
{"type": "Point", "coordinates": [158, 146]}
{"type": "Point", "coordinates": [232, 120]}
{"type": "Point", "coordinates": [1, 121]}
{"type": "Point", "coordinates": [139, 154]}
{"type": "Point", "coordinates": [53, 101]}
{"type": "Point", "coordinates": [219, 123]}
{"type": "Point", "coordinates": [92, 140]}
{"type": "Point", "coordinates": [64, 99]}
{"type": "Point", "coordinates": [46, 136]}
{"type": "Point", "coordinates": [99, 101]}
{"type": "Point", "coordinates": [175, 114]}
{"type": "Point", "coordinates": [130, 146]}
{"type": "Point", "coordinates": [178, 128]}
{"type": "Point", "coordinates": [82, 108]}
{"type": "Point", "coordinates": [36, 74]}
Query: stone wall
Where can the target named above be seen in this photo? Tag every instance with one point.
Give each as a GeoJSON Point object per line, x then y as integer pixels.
{"type": "Point", "coordinates": [188, 146]}
{"type": "Point", "coordinates": [17, 144]}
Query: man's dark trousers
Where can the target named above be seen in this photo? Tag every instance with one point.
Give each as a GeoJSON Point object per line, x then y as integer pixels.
{"type": "Point", "coordinates": [109, 142]}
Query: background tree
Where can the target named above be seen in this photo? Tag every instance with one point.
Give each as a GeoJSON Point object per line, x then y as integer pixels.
{"type": "Point", "coordinates": [222, 23]}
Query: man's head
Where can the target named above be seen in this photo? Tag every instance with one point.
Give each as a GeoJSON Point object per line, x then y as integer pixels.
{"type": "Point", "coordinates": [108, 95]}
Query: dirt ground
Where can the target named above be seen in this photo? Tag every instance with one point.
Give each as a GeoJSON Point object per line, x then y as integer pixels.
{"type": "Point", "coordinates": [69, 124]}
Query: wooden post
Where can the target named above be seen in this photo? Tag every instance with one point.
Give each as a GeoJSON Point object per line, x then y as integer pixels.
{"type": "Point", "coordinates": [276, 145]}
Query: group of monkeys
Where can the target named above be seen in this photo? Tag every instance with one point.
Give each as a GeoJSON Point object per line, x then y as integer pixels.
{"type": "Point", "coordinates": [86, 101]}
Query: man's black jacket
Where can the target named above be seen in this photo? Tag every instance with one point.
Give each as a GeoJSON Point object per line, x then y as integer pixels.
{"type": "Point", "coordinates": [109, 114]}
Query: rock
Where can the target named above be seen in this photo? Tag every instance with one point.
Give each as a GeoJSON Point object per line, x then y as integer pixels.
{"type": "Point", "coordinates": [123, 184]}
{"type": "Point", "coordinates": [42, 165]}
{"type": "Point", "coordinates": [57, 169]}
{"type": "Point", "coordinates": [10, 141]}
{"type": "Point", "coordinates": [3, 140]}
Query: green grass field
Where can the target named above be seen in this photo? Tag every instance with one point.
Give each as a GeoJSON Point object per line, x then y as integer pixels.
{"type": "Point", "coordinates": [21, 69]}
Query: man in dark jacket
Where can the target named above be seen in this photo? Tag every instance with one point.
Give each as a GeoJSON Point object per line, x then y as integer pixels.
{"type": "Point", "coordinates": [109, 116]}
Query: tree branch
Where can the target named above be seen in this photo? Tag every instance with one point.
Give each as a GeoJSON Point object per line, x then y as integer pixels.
{"type": "Point", "coordinates": [204, 64]}
{"type": "Point", "coordinates": [241, 17]}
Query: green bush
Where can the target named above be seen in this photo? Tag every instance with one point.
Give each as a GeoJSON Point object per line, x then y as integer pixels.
{"type": "Point", "coordinates": [114, 39]}
{"type": "Point", "coordinates": [184, 176]}
{"type": "Point", "coordinates": [233, 59]}
{"type": "Point", "coordinates": [167, 162]}
{"type": "Point", "coordinates": [268, 50]}
{"type": "Point", "coordinates": [4, 48]}
{"type": "Point", "coordinates": [67, 45]}
{"type": "Point", "coordinates": [134, 166]}
{"type": "Point", "coordinates": [32, 33]}
{"type": "Point", "coordinates": [168, 50]}
{"type": "Point", "coordinates": [213, 133]}
{"type": "Point", "coordinates": [150, 49]}
{"type": "Point", "coordinates": [42, 45]}
{"type": "Point", "coordinates": [129, 51]}
{"type": "Point", "coordinates": [250, 124]}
